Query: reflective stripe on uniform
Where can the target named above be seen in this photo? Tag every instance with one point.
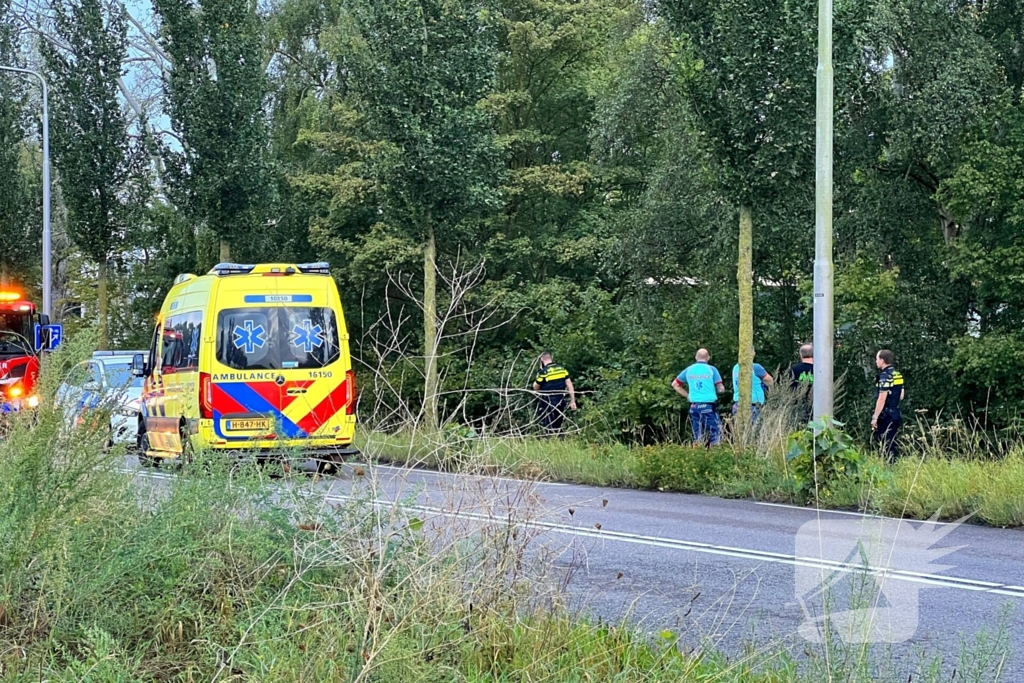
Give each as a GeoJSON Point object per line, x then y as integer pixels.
{"type": "Point", "coordinates": [553, 374]}
{"type": "Point", "coordinates": [894, 380]}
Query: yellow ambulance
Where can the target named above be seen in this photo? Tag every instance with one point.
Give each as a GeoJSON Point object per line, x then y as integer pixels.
{"type": "Point", "coordinates": [249, 358]}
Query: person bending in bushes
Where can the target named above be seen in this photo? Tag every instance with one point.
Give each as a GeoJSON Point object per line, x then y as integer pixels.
{"type": "Point", "coordinates": [700, 384]}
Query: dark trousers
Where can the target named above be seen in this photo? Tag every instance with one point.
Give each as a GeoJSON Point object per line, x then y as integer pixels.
{"type": "Point", "coordinates": [885, 433]}
{"type": "Point", "coordinates": [707, 428]}
{"type": "Point", "coordinates": [806, 412]}
{"type": "Point", "coordinates": [551, 411]}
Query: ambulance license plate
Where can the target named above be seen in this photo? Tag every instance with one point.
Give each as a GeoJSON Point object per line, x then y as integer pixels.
{"type": "Point", "coordinates": [248, 425]}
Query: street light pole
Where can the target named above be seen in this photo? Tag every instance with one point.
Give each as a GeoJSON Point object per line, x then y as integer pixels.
{"type": "Point", "coordinates": [823, 323]}
{"type": "Point", "coordinates": [47, 240]}
{"type": "Point", "coordinates": [824, 326]}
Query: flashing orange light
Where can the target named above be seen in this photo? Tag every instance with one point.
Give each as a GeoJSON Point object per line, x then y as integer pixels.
{"type": "Point", "coordinates": [8, 295]}
{"type": "Point", "coordinates": [15, 392]}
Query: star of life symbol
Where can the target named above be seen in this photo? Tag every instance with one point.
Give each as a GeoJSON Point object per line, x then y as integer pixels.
{"type": "Point", "coordinates": [249, 338]}
{"type": "Point", "coordinates": [877, 565]}
{"type": "Point", "coordinates": [308, 336]}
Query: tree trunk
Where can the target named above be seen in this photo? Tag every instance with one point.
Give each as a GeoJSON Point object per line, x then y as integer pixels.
{"type": "Point", "coordinates": [430, 377]}
{"type": "Point", "coordinates": [745, 281]}
{"type": "Point", "coordinates": [3, 275]}
{"type": "Point", "coordinates": [225, 251]}
{"type": "Point", "coordinates": [950, 229]}
{"type": "Point", "coordinates": [103, 307]}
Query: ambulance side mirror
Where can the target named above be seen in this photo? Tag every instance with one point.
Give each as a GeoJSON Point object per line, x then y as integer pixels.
{"type": "Point", "coordinates": [139, 365]}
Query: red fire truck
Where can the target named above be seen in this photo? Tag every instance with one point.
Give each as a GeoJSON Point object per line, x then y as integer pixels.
{"type": "Point", "coordinates": [19, 357]}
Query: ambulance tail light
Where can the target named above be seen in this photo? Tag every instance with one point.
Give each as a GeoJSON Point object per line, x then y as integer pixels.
{"type": "Point", "coordinates": [350, 378]}
{"type": "Point", "coordinates": [205, 396]}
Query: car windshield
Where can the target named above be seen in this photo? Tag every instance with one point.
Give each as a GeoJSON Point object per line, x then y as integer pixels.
{"type": "Point", "coordinates": [15, 334]}
{"type": "Point", "coordinates": [120, 377]}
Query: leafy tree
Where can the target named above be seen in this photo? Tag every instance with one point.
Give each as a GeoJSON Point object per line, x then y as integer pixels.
{"type": "Point", "coordinates": [418, 71]}
{"type": "Point", "coordinates": [18, 231]}
{"type": "Point", "coordinates": [753, 102]}
{"type": "Point", "coordinates": [102, 168]}
{"type": "Point", "coordinates": [596, 154]}
{"type": "Point", "coordinates": [555, 223]}
{"type": "Point", "coordinates": [984, 196]}
{"type": "Point", "coordinates": [944, 76]}
{"type": "Point", "coordinates": [932, 77]}
{"type": "Point", "coordinates": [163, 245]}
{"type": "Point", "coordinates": [219, 166]}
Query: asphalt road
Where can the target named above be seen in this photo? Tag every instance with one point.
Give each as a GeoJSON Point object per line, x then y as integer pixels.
{"type": "Point", "coordinates": [740, 574]}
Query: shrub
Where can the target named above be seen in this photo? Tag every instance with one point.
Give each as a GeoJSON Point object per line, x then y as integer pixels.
{"type": "Point", "coordinates": [641, 410]}
{"type": "Point", "coordinates": [671, 467]}
{"type": "Point", "coordinates": [822, 457]}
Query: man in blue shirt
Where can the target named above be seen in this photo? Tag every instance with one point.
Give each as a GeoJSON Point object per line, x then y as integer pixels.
{"type": "Point", "coordinates": [700, 384]}
{"type": "Point", "coordinates": [760, 380]}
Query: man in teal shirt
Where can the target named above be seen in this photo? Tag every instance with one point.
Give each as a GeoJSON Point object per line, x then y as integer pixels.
{"type": "Point", "coordinates": [759, 381]}
{"type": "Point", "coordinates": [700, 384]}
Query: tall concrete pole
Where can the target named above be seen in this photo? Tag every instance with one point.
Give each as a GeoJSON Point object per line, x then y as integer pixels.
{"type": "Point", "coordinates": [824, 326]}
{"type": "Point", "coordinates": [47, 238]}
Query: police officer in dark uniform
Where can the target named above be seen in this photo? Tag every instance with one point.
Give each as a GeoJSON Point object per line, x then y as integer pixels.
{"type": "Point", "coordinates": [886, 419]}
{"type": "Point", "coordinates": [552, 385]}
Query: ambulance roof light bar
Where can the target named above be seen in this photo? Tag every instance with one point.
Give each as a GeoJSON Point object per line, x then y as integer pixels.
{"type": "Point", "coordinates": [232, 269]}
{"type": "Point", "coordinates": [318, 268]}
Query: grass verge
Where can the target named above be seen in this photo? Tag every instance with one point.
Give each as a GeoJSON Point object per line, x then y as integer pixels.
{"type": "Point", "coordinates": [219, 574]}
{"type": "Point", "coordinates": [921, 484]}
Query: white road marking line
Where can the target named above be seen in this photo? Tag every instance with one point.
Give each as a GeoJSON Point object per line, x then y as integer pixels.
{"type": "Point", "coordinates": [693, 546]}
{"type": "Point", "coordinates": [417, 470]}
{"type": "Point", "coordinates": [866, 515]}
{"type": "Point", "coordinates": [741, 553]}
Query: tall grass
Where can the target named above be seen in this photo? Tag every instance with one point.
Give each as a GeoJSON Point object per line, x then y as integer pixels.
{"type": "Point", "coordinates": [953, 468]}
{"type": "Point", "coordinates": [220, 574]}
{"type": "Point", "coordinates": [567, 459]}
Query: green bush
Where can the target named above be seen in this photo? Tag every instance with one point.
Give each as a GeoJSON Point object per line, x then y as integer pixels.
{"type": "Point", "coordinates": [672, 467]}
{"type": "Point", "coordinates": [822, 458]}
{"type": "Point", "coordinates": [642, 410]}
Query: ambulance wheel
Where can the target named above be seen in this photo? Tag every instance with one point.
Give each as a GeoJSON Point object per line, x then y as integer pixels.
{"type": "Point", "coordinates": [142, 443]}
{"type": "Point", "coordinates": [188, 452]}
{"type": "Point", "coordinates": [325, 467]}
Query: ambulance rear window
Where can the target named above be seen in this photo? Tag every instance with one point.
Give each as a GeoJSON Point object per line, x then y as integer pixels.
{"type": "Point", "coordinates": [277, 338]}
